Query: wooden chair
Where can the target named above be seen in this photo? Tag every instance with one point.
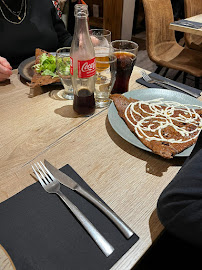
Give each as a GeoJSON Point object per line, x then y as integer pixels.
{"type": "Point", "coordinates": [192, 8]}
{"type": "Point", "coordinates": [161, 44]}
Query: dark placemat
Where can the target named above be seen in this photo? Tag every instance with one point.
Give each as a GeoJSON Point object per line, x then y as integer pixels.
{"type": "Point", "coordinates": [187, 23]}
{"type": "Point", "coordinates": [40, 233]}
{"type": "Point", "coordinates": [157, 76]}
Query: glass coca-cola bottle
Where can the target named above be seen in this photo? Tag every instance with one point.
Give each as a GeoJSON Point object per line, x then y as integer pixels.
{"type": "Point", "coordinates": [82, 67]}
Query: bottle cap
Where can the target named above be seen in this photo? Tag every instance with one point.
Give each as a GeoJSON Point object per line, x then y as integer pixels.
{"type": "Point", "coordinates": [81, 10]}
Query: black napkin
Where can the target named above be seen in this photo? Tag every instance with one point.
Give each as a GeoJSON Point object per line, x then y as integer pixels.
{"type": "Point", "coordinates": [40, 233]}
{"type": "Point", "coordinates": [187, 23]}
{"type": "Point", "coordinates": [157, 76]}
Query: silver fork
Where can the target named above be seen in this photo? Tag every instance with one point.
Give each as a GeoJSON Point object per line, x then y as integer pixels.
{"type": "Point", "coordinates": [165, 84]}
{"type": "Point", "coordinates": [148, 79]}
{"type": "Point", "coordinates": [52, 185]}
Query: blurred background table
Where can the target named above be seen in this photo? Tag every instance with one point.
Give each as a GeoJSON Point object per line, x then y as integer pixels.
{"type": "Point", "coordinates": [197, 18]}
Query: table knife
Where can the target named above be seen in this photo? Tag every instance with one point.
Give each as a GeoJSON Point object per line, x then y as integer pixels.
{"type": "Point", "coordinates": [70, 183]}
{"type": "Point", "coordinates": [175, 86]}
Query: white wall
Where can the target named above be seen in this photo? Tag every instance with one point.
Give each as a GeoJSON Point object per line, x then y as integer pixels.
{"type": "Point", "coordinates": [127, 19]}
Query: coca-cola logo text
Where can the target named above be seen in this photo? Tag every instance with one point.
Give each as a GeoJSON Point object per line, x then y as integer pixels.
{"type": "Point", "coordinates": [88, 67]}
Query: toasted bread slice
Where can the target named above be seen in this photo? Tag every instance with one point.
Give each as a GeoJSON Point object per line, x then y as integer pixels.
{"type": "Point", "coordinates": [38, 79]}
{"type": "Point", "coordinates": [162, 132]}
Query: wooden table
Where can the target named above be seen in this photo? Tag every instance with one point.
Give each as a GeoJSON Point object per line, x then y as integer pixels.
{"type": "Point", "coordinates": [181, 28]}
{"type": "Point", "coordinates": [127, 178]}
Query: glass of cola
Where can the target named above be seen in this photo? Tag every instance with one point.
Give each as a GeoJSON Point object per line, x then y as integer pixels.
{"type": "Point", "coordinates": [126, 53]}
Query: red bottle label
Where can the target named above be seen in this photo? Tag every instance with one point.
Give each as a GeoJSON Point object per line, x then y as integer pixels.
{"type": "Point", "coordinates": [71, 65]}
{"type": "Point", "coordinates": [86, 68]}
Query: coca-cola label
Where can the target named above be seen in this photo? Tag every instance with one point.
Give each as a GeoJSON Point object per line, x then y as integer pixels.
{"type": "Point", "coordinates": [86, 68]}
{"type": "Point", "coordinates": [71, 65]}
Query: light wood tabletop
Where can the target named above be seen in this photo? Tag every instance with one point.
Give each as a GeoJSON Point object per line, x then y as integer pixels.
{"type": "Point", "coordinates": [182, 28]}
{"type": "Point", "coordinates": [127, 178]}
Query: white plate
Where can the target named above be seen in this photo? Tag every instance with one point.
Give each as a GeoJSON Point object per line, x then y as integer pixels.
{"type": "Point", "coordinates": [121, 128]}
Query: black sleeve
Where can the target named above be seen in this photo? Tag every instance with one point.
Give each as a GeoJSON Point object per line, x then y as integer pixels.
{"type": "Point", "coordinates": [180, 204]}
{"type": "Point", "coordinates": [64, 37]}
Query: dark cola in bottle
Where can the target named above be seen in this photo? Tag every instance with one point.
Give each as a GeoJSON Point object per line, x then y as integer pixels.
{"type": "Point", "coordinates": [84, 102]}
{"type": "Point", "coordinates": [82, 64]}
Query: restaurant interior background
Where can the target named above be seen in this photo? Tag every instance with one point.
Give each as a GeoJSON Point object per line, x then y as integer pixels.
{"type": "Point", "coordinates": [100, 16]}
{"type": "Point", "coordinates": [52, 130]}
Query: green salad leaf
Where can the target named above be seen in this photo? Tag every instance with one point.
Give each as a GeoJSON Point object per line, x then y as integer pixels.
{"type": "Point", "coordinates": [47, 65]}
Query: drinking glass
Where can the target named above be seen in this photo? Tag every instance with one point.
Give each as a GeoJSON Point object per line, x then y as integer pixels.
{"type": "Point", "coordinates": [63, 71]}
{"type": "Point", "coordinates": [101, 39]}
{"type": "Point", "coordinates": [126, 53]}
{"type": "Point", "coordinates": [105, 78]}
{"type": "Point", "coordinates": [102, 35]}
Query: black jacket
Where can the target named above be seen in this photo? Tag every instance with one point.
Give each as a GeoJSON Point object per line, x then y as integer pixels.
{"type": "Point", "coordinates": [41, 28]}
{"type": "Point", "coordinates": [180, 204]}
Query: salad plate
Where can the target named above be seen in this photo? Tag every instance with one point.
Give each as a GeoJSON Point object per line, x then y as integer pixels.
{"type": "Point", "coordinates": [25, 69]}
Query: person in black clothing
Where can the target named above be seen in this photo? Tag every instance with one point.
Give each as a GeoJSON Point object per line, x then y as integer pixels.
{"type": "Point", "coordinates": [26, 25]}
{"type": "Point", "coordinates": [179, 209]}
{"type": "Point", "coordinates": [180, 204]}
{"type": "Point", "coordinates": [178, 13]}
{"type": "Point", "coordinates": [178, 9]}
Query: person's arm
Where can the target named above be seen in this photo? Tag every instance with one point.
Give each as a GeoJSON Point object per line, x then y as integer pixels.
{"type": "Point", "coordinates": [5, 69]}
{"type": "Point", "coordinates": [64, 37]}
{"type": "Point", "coordinates": [180, 204]}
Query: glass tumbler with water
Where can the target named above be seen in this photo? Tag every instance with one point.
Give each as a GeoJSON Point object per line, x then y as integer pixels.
{"type": "Point", "coordinates": [105, 79]}
{"type": "Point", "coordinates": [63, 71]}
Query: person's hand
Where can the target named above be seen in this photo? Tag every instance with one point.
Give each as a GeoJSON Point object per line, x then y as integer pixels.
{"type": "Point", "coordinates": [5, 69]}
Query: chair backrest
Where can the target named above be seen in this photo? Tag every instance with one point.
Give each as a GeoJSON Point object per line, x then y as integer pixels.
{"type": "Point", "coordinates": [192, 7]}
{"type": "Point", "coordinates": [158, 16]}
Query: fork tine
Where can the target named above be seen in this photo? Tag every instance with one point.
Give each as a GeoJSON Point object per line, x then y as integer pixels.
{"type": "Point", "coordinates": [48, 172]}
{"type": "Point", "coordinates": [38, 176]}
{"type": "Point", "coordinates": [44, 175]}
{"type": "Point", "coordinates": [145, 76]}
{"type": "Point", "coordinates": [143, 73]}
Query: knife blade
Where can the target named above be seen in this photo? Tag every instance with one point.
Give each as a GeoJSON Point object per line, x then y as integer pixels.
{"type": "Point", "coordinates": [175, 86]}
{"type": "Point", "coordinates": [73, 185]}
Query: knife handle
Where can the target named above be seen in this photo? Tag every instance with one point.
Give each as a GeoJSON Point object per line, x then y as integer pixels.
{"type": "Point", "coordinates": [122, 226]}
{"type": "Point", "coordinates": [181, 88]}
{"type": "Point", "coordinates": [162, 84]}
{"type": "Point", "coordinates": [102, 243]}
